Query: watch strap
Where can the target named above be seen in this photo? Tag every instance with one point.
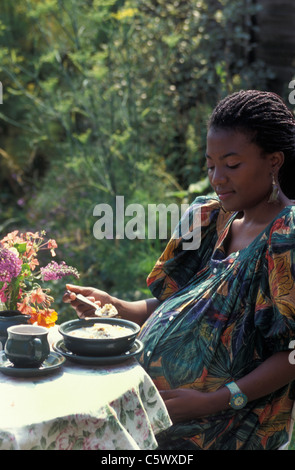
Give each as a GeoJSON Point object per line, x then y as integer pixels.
{"type": "Point", "coordinates": [233, 388]}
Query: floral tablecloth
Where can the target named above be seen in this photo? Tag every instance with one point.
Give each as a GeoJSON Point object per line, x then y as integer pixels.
{"type": "Point", "coordinates": [82, 407]}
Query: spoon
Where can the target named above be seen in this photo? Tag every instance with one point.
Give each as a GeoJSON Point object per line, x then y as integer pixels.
{"type": "Point", "coordinates": [98, 312]}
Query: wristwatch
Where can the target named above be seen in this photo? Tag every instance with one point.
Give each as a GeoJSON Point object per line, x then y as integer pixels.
{"type": "Point", "coordinates": [237, 398]}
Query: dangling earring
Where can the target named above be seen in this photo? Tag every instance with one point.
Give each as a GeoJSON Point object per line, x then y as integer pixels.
{"type": "Point", "coordinates": [274, 197]}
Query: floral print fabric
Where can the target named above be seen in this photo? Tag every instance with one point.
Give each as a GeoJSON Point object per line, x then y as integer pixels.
{"type": "Point", "coordinates": [219, 318]}
{"type": "Point", "coordinates": [84, 408]}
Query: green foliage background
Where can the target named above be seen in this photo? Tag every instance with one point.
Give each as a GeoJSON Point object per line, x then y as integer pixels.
{"type": "Point", "coordinates": [111, 97]}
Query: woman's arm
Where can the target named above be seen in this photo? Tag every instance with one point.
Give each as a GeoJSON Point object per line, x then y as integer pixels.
{"type": "Point", "coordinates": [137, 311]}
{"type": "Point", "coordinates": [187, 404]}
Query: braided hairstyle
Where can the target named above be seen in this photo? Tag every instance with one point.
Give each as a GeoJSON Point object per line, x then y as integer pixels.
{"type": "Point", "coordinates": [270, 124]}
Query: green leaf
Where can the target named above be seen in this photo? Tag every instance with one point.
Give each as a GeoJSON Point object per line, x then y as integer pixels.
{"type": "Point", "coordinates": [57, 427]}
{"type": "Point", "coordinates": [21, 247]}
{"type": "Point", "coordinates": [78, 444]}
{"type": "Point", "coordinates": [172, 39]}
{"type": "Point", "coordinates": [101, 430]}
{"type": "Point", "coordinates": [51, 446]}
{"type": "Point", "coordinates": [123, 416]}
{"type": "Point", "coordinates": [130, 414]}
{"type": "Point", "coordinates": [114, 426]}
{"type": "Point", "coordinates": [26, 268]}
{"type": "Point", "coordinates": [43, 442]}
{"type": "Point", "coordinates": [151, 392]}
{"type": "Point", "coordinates": [151, 404]}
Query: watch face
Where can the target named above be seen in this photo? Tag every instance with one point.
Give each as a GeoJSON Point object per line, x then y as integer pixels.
{"type": "Point", "coordinates": [238, 400]}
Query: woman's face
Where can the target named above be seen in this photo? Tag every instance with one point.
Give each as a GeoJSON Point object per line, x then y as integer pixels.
{"type": "Point", "coordinates": [238, 170]}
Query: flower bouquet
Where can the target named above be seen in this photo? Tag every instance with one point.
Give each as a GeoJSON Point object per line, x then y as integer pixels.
{"type": "Point", "coordinates": [20, 278]}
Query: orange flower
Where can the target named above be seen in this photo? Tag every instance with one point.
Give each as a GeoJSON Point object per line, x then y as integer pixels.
{"type": "Point", "coordinates": [45, 318]}
{"type": "Point", "coordinates": [38, 296]}
{"type": "Point", "coordinates": [24, 306]}
{"type": "Point", "coordinates": [12, 238]}
{"type": "Point", "coordinates": [52, 244]}
{"type": "Point", "coordinates": [32, 235]}
{"type": "Point", "coordinates": [30, 250]}
{"type": "Point", "coordinates": [33, 263]}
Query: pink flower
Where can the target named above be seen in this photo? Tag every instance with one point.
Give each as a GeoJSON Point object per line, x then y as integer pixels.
{"type": "Point", "coordinates": [54, 271]}
{"type": "Point", "coordinates": [19, 278]}
{"type": "Point", "coordinates": [10, 265]}
{"type": "Point", "coordinates": [3, 297]}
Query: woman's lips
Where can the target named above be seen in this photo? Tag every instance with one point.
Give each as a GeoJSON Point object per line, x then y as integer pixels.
{"type": "Point", "coordinates": [225, 195]}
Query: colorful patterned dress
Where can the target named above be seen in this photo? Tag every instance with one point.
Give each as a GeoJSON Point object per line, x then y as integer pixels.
{"type": "Point", "coordinates": [219, 318]}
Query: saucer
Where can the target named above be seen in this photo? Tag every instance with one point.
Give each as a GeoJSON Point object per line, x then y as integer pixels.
{"type": "Point", "coordinates": [53, 362]}
{"type": "Point", "coordinates": [134, 351]}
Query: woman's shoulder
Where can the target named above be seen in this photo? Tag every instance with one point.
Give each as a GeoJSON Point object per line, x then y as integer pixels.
{"type": "Point", "coordinates": [282, 228]}
{"type": "Point", "coordinates": [208, 206]}
{"type": "Point", "coordinates": [211, 211]}
{"type": "Point", "coordinates": [207, 201]}
{"type": "Point", "coordinates": [284, 222]}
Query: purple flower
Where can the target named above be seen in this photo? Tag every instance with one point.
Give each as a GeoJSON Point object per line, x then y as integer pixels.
{"type": "Point", "coordinates": [54, 271]}
{"type": "Point", "coordinates": [10, 265]}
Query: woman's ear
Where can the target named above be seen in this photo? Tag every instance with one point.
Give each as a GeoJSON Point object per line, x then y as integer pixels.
{"type": "Point", "coordinates": [276, 161]}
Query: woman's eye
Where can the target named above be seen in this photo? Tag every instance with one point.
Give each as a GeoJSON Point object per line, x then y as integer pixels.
{"type": "Point", "coordinates": [232, 167]}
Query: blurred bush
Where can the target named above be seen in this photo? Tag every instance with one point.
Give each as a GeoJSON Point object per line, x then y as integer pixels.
{"type": "Point", "coordinates": [111, 97]}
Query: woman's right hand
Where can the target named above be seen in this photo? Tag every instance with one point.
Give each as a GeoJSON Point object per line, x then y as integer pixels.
{"type": "Point", "coordinates": [95, 295]}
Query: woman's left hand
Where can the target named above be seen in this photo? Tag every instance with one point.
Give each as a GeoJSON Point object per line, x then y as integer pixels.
{"type": "Point", "coordinates": [185, 404]}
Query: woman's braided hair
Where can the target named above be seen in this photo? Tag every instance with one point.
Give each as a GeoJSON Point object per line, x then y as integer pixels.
{"type": "Point", "coordinates": [265, 117]}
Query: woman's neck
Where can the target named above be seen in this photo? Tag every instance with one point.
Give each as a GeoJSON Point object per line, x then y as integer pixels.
{"type": "Point", "coordinates": [250, 223]}
{"type": "Point", "coordinates": [264, 212]}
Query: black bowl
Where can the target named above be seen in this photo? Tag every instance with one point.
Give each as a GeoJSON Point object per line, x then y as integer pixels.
{"type": "Point", "coordinates": [98, 347]}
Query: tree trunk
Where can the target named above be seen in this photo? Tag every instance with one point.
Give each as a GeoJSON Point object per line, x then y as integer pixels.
{"type": "Point", "coordinates": [276, 41]}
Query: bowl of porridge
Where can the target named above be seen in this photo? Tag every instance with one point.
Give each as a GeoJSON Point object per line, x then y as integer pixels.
{"type": "Point", "coordinates": [99, 336]}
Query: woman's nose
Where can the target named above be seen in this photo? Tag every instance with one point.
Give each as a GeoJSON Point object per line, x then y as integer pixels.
{"type": "Point", "coordinates": [218, 176]}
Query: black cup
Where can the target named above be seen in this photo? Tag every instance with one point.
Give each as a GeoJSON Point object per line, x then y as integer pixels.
{"type": "Point", "coordinates": [27, 345]}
